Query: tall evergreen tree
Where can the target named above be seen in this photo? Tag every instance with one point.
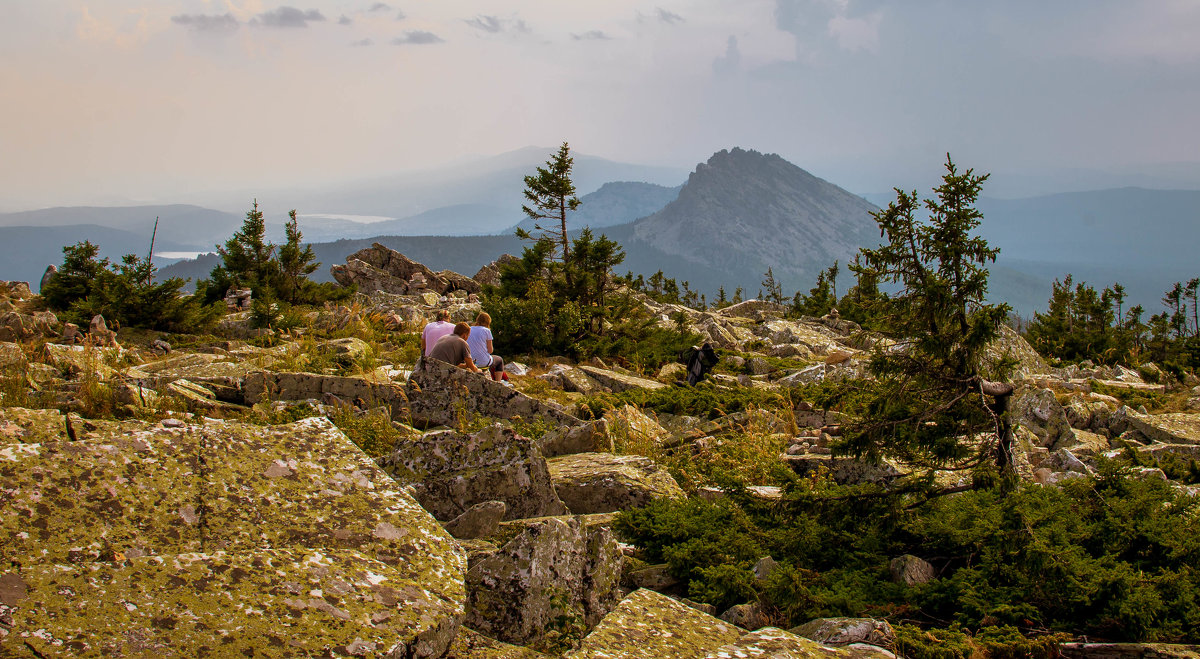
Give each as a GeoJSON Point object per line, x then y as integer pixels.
{"type": "Point", "coordinates": [551, 194]}
{"type": "Point", "coordinates": [933, 396]}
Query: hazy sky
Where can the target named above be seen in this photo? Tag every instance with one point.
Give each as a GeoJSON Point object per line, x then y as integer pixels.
{"type": "Point", "coordinates": [141, 99]}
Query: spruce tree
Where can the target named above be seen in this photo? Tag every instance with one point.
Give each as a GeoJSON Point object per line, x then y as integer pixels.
{"type": "Point", "coordinates": [551, 194]}
{"type": "Point", "coordinates": [933, 398]}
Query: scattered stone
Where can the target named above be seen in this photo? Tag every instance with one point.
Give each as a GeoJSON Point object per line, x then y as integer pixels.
{"type": "Point", "coordinates": [603, 482]}
{"type": "Point", "coordinates": [765, 567]}
{"type": "Point", "coordinates": [345, 351]}
{"type": "Point", "coordinates": [844, 631]}
{"type": "Point", "coordinates": [747, 616]}
{"type": "Point", "coordinates": [628, 424]}
{"type": "Point", "coordinates": [11, 354]}
{"type": "Point", "coordinates": [911, 570]}
{"type": "Point", "coordinates": [450, 471]}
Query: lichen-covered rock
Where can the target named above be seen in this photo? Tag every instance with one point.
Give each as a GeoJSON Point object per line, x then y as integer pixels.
{"type": "Point", "coordinates": [618, 382]}
{"type": "Point", "coordinates": [11, 354]}
{"type": "Point", "coordinates": [262, 602]}
{"type": "Point", "coordinates": [451, 471]}
{"type": "Point", "coordinates": [17, 326]}
{"type": "Point", "coordinates": [76, 360]}
{"type": "Point", "coordinates": [588, 437]}
{"type": "Point", "coordinates": [444, 395]}
{"type": "Point", "coordinates": [774, 643]}
{"type": "Point", "coordinates": [844, 631]}
{"type": "Point", "coordinates": [182, 513]}
{"type": "Point", "coordinates": [747, 616]}
{"type": "Point", "coordinates": [1039, 411]}
{"type": "Point", "coordinates": [1175, 428]}
{"type": "Point", "coordinates": [575, 380]}
{"type": "Point", "coordinates": [490, 273]}
{"type": "Point", "coordinates": [602, 482]}
{"type": "Point", "coordinates": [379, 268]}
{"type": "Point", "coordinates": [470, 644]}
{"type": "Point", "coordinates": [555, 575]}
{"type": "Point", "coordinates": [1009, 344]}
{"type": "Point", "coordinates": [346, 350]}
{"type": "Point", "coordinates": [264, 385]}
{"type": "Point", "coordinates": [647, 624]}
{"type": "Point", "coordinates": [911, 570]}
{"type": "Point", "coordinates": [23, 426]}
{"type": "Point", "coordinates": [1129, 651]}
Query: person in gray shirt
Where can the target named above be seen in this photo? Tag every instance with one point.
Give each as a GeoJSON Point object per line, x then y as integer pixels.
{"type": "Point", "coordinates": [453, 348]}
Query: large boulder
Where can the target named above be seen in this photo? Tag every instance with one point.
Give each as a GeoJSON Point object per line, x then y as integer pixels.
{"type": "Point", "coordinates": [602, 482]}
{"type": "Point", "coordinates": [844, 631]}
{"type": "Point", "coordinates": [1010, 345]}
{"type": "Point", "coordinates": [441, 394]}
{"type": "Point", "coordinates": [17, 326]}
{"type": "Point", "coordinates": [556, 575]}
{"type": "Point", "coordinates": [22, 426]}
{"type": "Point", "coordinates": [647, 624]}
{"type": "Point", "coordinates": [11, 355]}
{"type": "Point", "coordinates": [379, 268]}
{"type": "Point", "coordinates": [629, 425]}
{"type": "Point", "coordinates": [267, 386]}
{"type": "Point", "coordinates": [450, 471]}
{"type": "Point", "coordinates": [489, 275]}
{"type": "Point", "coordinates": [219, 538]}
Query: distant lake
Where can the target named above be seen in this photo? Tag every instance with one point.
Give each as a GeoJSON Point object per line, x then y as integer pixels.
{"type": "Point", "coordinates": [361, 219]}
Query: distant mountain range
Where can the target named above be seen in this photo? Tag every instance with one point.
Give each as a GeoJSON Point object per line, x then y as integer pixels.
{"type": "Point", "coordinates": [738, 213]}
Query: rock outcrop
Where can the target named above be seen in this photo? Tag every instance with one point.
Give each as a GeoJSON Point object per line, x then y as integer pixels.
{"type": "Point", "coordinates": [379, 268]}
{"type": "Point", "coordinates": [444, 395]}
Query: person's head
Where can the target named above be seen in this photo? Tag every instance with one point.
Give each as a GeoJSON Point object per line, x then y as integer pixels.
{"type": "Point", "coordinates": [443, 315]}
{"type": "Point", "coordinates": [462, 330]}
{"type": "Point", "coordinates": [483, 319]}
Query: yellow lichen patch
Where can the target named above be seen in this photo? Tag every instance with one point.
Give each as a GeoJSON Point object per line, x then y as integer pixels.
{"type": "Point", "coordinates": [260, 603]}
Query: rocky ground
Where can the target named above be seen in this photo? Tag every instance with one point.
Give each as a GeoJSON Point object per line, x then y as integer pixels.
{"type": "Point", "coordinates": [325, 493]}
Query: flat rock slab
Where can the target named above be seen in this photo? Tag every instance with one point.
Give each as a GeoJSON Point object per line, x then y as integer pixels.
{"type": "Point", "coordinates": [647, 624]}
{"type": "Point", "coordinates": [224, 491]}
{"type": "Point", "coordinates": [269, 386]}
{"type": "Point", "coordinates": [618, 382]}
{"type": "Point", "coordinates": [444, 395]}
{"type": "Point", "coordinates": [274, 602]}
{"type": "Point", "coordinates": [1177, 428]}
{"type": "Point", "coordinates": [451, 471]}
{"type": "Point", "coordinates": [603, 483]}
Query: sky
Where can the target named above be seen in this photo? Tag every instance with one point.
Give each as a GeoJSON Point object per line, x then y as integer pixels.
{"type": "Point", "coordinates": [151, 100]}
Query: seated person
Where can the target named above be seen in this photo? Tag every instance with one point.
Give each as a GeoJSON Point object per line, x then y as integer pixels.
{"type": "Point", "coordinates": [453, 348]}
{"type": "Point", "coordinates": [480, 342]}
{"type": "Point", "coordinates": [436, 330]}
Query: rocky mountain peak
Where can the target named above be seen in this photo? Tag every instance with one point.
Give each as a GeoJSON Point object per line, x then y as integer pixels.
{"type": "Point", "coordinates": [744, 210]}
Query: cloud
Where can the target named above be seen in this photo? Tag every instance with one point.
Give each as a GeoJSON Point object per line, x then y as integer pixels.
{"type": "Point", "coordinates": [207, 22]}
{"type": "Point", "coordinates": [380, 6]}
{"type": "Point", "coordinates": [362, 42]}
{"type": "Point", "coordinates": [345, 20]}
{"type": "Point", "coordinates": [495, 24]}
{"type": "Point", "coordinates": [731, 62]}
{"type": "Point", "coordinates": [288, 17]}
{"type": "Point", "coordinates": [668, 17]}
{"type": "Point", "coordinates": [856, 33]}
{"type": "Point", "coordinates": [485, 23]}
{"type": "Point", "coordinates": [591, 35]}
{"type": "Point", "coordinates": [417, 38]}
